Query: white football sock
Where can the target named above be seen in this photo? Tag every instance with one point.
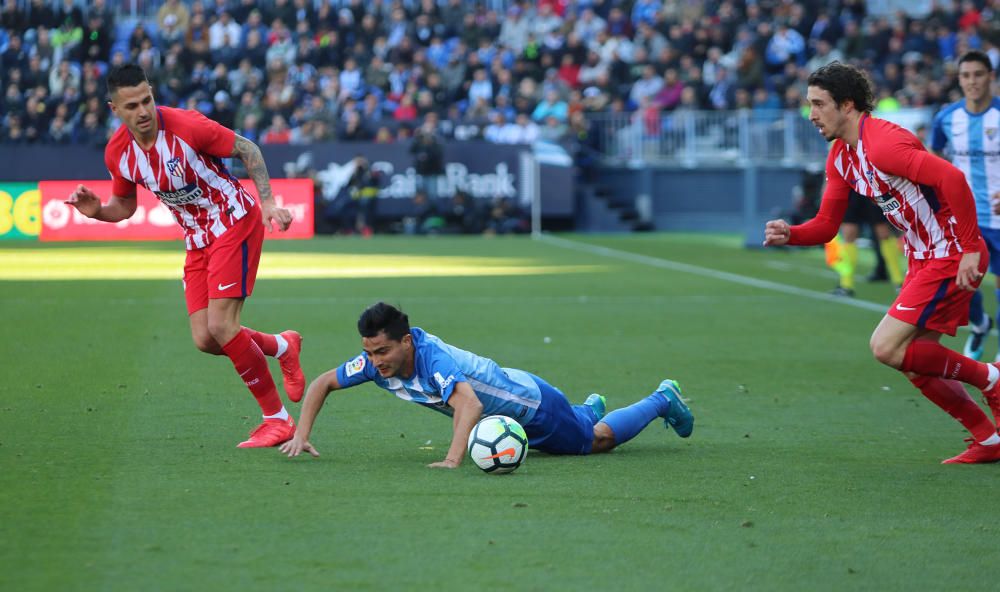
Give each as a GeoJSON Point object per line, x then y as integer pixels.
{"type": "Point", "coordinates": [282, 345]}
{"type": "Point", "coordinates": [991, 441]}
{"type": "Point", "coordinates": [992, 376]}
{"type": "Point", "coordinates": [282, 415]}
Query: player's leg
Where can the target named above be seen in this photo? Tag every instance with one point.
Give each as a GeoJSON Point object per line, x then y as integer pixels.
{"type": "Point", "coordinates": [935, 371]}
{"type": "Point", "coordinates": [558, 427]}
{"type": "Point", "coordinates": [848, 261]}
{"type": "Point", "coordinates": [251, 365]}
{"type": "Point", "coordinates": [202, 337]}
{"type": "Point", "coordinates": [626, 423]}
{"type": "Point", "coordinates": [888, 247]}
{"type": "Point", "coordinates": [980, 324]}
{"type": "Point", "coordinates": [992, 238]}
{"type": "Point", "coordinates": [232, 271]}
{"type": "Point", "coordinates": [196, 296]}
{"type": "Point", "coordinates": [286, 347]}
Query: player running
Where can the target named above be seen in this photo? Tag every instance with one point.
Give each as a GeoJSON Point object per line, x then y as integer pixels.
{"type": "Point", "coordinates": [176, 154]}
{"type": "Point", "coordinates": [929, 201]}
{"type": "Point", "coordinates": [970, 129]}
{"type": "Point", "coordinates": [419, 367]}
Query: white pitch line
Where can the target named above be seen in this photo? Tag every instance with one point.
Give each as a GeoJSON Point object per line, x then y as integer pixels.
{"type": "Point", "coordinates": [712, 273]}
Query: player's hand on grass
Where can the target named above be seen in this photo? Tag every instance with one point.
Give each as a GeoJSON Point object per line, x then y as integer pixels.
{"type": "Point", "coordinates": [968, 272]}
{"type": "Point", "coordinates": [273, 214]}
{"type": "Point", "coordinates": [445, 464]}
{"type": "Point", "coordinates": [296, 445]}
{"type": "Point", "coordinates": [84, 200]}
{"type": "Point", "coordinates": [777, 233]}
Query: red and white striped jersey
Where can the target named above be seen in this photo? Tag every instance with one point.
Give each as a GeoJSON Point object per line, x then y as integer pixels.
{"type": "Point", "coordinates": [882, 168]}
{"type": "Point", "coordinates": [185, 171]}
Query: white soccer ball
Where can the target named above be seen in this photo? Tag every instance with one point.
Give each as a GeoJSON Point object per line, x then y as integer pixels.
{"type": "Point", "coordinates": [498, 444]}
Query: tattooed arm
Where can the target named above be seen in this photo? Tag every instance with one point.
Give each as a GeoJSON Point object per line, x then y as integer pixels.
{"type": "Point", "coordinates": [253, 160]}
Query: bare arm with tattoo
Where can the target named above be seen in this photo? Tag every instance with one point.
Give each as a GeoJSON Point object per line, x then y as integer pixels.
{"type": "Point", "coordinates": [253, 160]}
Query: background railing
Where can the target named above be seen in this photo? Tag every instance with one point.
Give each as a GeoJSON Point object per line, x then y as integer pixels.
{"type": "Point", "coordinates": [705, 138]}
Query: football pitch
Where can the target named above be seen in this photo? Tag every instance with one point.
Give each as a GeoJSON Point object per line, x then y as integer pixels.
{"type": "Point", "coordinates": [811, 466]}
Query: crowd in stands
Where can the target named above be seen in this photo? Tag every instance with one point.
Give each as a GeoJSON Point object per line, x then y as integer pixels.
{"type": "Point", "coordinates": [510, 71]}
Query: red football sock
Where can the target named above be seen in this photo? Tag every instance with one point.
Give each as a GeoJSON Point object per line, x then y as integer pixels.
{"type": "Point", "coordinates": [951, 396]}
{"type": "Point", "coordinates": [251, 365]}
{"type": "Point", "coordinates": [929, 358]}
{"type": "Point", "coordinates": [265, 341]}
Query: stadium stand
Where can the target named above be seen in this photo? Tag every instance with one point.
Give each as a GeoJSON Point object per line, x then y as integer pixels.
{"type": "Point", "coordinates": [304, 71]}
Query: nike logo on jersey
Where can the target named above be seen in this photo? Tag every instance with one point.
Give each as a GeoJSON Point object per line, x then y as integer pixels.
{"type": "Point", "coordinates": [223, 288]}
{"type": "Point", "coordinates": [905, 308]}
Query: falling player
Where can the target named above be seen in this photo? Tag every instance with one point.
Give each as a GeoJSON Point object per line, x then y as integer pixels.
{"type": "Point", "coordinates": [176, 154]}
{"type": "Point", "coordinates": [929, 201]}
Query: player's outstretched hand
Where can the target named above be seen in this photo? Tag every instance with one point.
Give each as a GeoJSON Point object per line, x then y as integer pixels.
{"type": "Point", "coordinates": [84, 200]}
{"type": "Point", "coordinates": [444, 464]}
{"type": "Point", "coordinates": [273, 214]}
{"type": "Point", "coordinates": [777, 233]}
{"type": "Point", "coordinates": [296, 445]}
{"type": "Point", "coordinates": [968, 272]}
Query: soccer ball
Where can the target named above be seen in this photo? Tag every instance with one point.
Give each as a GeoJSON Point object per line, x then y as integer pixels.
{"type": "Point", "coordinates": [498, 444]}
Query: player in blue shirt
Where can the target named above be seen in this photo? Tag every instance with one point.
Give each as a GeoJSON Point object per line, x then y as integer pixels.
{"type": "Point", "coordinates": [970, 130]}
{"type": "Point", "coordinates": [419, 367]}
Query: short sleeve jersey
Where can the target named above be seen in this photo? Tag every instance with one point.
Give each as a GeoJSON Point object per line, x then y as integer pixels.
{"type": "Point", "coordinates": [438, 367]}
{"type": "Point", "coordinates": [184, 170]}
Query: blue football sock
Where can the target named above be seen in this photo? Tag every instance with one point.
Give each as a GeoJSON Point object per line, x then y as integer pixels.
{"type": "Point", "coordinates": [976, 310]}
{"type": "Point", "coordinates": [628, 422]}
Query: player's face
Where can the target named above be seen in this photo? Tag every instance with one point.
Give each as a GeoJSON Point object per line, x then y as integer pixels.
{"type": "Point", "coordinates": [825, 114]}
{"type": "Point", "coordinates": [390, 357]}
{"type": "Point", "coordinates": [135, 106]}
{"type": "Point", "coordinates": [975, 80]}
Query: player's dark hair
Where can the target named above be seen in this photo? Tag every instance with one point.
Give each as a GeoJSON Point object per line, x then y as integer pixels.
{"type": "Point", "coordinates": [845, 83]}
{"type": "Point", "coordinates": [381, 317]}
{"type": "Point", "coordinates": [976, 56]}
{"type": "Point", "coordinates": [126, 75]}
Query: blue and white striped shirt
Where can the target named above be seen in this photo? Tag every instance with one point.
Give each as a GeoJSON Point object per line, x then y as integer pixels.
{"type": "Point", "coordinates": [973, 142]}
{"type": "Point", "coordinates": [438, 366]}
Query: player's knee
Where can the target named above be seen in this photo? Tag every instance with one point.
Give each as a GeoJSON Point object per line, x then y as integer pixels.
{"type": "Point", "coordinates": [222, 330]}
{"type": "Point", "coordinates": [886, 353]}
{"type": "Point", "coordinates": [604, 438]}
{"type": "Point", "coordinates": [206, 343]}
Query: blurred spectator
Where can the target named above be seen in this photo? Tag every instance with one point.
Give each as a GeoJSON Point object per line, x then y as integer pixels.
{"type": "Point", "coordinates": [278, 132]}
{"type": "Point", "coordinates": [428, 161]}
{"type": "Point", "coordinates": [463, 216]}
{"type": "Point", "coordinates": [173, 14]}
{"type": "Point", "coordinates": [552, 106]}
{"type": "Point", "coordinates": [364, 186]}
{"type": "Point", "coordinates": [222, 110]}
{"type": "Point", "coordinates": [90, 132]}
{"type": "Point", "coordinates": [506, 217]}
{"type": "Point", "coordinates": [422, 217]}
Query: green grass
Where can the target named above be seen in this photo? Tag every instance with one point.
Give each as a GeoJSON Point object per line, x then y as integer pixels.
{"type": "Point", "coordinates": [811, 466]}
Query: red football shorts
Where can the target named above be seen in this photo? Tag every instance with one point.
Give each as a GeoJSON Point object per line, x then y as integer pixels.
{"type": "Point", "coordinates": [930, 298]}
{"type": "Point", "coordinates": [226, 268]}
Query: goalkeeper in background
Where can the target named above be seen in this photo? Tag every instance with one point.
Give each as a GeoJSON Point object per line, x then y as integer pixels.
{"type": "Point", "coordinates": [842, 252]}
